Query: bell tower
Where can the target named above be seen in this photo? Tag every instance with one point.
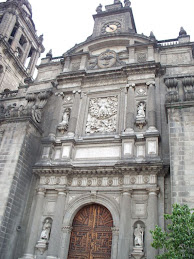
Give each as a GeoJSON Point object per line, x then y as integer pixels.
{"type": "Point", "coordinates": [116, 19]}
{"type": "Point", "coordinates": [20, 47]}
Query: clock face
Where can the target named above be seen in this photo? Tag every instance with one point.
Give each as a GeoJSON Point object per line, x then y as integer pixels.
{"type": "Point", "coordinates": [111, 27]}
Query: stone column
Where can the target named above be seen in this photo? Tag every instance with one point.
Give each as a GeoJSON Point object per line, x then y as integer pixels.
{"type": "Point", "coordinates": [33, 61]}
{"type": "Point", "coordinates": [151, 106]}
{"type": "Point", "coordinates": [35, 225]}
{"type": "Point", "coordinates": [124, 230]}
{"type": "Point", "coordinates": [65, 240]}
{"type": "Point", "coordinates": [7, 24]}
{"type": "Point", "coordinates": [67, 64]}
{"type": "Point", "coordinates": [152, 221]}
{"type": "Point", "coordinates": [115, 238]}
{"type": "Point", "coordinates": [16, 39]}
{"type": "Point", "coordinates": [74, 113]}
{"type": "Point", "coordinates": [26, 52]}
{"type": "Point", "coordinates": [54, 242]}
{"type": "Point", "coordinates": [130, 108]}
{"type": "Point", "coordinates": [121, 114]}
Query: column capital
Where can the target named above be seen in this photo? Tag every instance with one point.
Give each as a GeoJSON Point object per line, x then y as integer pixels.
{"type": "Point", "coordinates": [61, 192]}
{"type": "Point", "coordinates": [127, 191]}
{"type": "Point", "coordinates": [76, 92]}
{"type": "Point", "coordinates": [153, 191]}
{"type": "Point", "coordinates": [150, 83]}
{"type": "Point", "coordinates": [40, 191]}
{"type": "Point", "coordinates": [67, 229]}
{"type": "Point", "coordinates": [115, 231]}
{"type": "Point", "coordinates": [130, 85]}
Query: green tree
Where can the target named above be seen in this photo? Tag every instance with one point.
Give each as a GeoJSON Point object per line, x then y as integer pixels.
{"type": "Point", "coordinates": [178, 240]}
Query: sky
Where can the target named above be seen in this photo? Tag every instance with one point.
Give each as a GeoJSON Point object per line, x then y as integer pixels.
{"type": "Point", "coordinates": [67, 22]}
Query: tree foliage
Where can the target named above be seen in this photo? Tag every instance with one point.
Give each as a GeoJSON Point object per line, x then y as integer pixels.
{"type": "Point", "coordinates": [178, 240]}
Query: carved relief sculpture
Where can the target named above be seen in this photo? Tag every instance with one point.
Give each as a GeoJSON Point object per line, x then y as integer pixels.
{"type": "Point", "coordinates": [63, 126]}
{"type": "Point", "coordinates": [102, 115]}
{"type": "Point", "coordinates": [106, 59]}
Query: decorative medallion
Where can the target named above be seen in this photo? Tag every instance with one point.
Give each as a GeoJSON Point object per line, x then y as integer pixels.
{"type": "Point", "coordinates": [102, 115]}
{"type": "Point", "coordinates": [107, 59]}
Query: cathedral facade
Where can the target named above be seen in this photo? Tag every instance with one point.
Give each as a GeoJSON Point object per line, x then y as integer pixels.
{"type": "Point", "coordinates": [97, 148]}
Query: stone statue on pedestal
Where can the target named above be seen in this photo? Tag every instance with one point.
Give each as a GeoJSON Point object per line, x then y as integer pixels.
{"type": "Point", "coordinates": [46, 230]}
{"type": "Point", "coordinates": [138, 233]}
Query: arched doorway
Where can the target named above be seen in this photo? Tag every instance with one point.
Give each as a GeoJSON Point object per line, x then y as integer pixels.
{"type": "Point", "coordinates": [91, 237]}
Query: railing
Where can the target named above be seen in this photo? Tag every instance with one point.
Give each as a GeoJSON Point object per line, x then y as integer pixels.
{"type": "Point", "coordinates": [169, 42]}
{"type": "Point", "coordinates": [56, 59]}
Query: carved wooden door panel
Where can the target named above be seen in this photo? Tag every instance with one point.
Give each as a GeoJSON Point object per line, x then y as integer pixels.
{"type": "Point", "coordinates": [91, 237]}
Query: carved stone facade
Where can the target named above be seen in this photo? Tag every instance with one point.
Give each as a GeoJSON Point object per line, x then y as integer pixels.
{"type": "Point", "coordinates": [104, 132]}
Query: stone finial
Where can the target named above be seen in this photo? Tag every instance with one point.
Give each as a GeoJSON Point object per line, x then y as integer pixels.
{"type": "Point", "coordinates": [182, 32]}
{"type": "Point", "coordinates": [152, 36]}
{"type": "Point", "coordinates": [127, 3]}
{"type": "Point", "coordinates": [41, 37]}
{"type": "Point", "coordinates": [49, 54]}
{"type": "Point", "coordinates": [99, 9]}
{"type": "Point", "coordinates": [117, 1]}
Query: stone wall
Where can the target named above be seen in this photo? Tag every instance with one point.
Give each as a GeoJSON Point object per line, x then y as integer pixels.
{"type": "Point", "coordinates": [181, 131]}
{"type": "Point", "coordinates": [19, 148]}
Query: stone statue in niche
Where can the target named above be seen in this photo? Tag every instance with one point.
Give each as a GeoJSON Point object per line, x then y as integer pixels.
{"type": "Point", "coordinates": [102, 115]}
{"type": "Point", "coordinates": [42, 244]}
{"type": "Point", "coordinates": [138, 233]}
{"type": "Point", "coordinates": [63, 126]}
{"type": "Point", "coordinates": [45, 234]}
{"type": "Point", "coordinates": [141, 115]}
{"type": "Point", "coordinates": [141, 110]}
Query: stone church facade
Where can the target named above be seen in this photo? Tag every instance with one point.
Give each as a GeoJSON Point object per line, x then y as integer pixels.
{"type": "Point", "coordinates": [96, 149]}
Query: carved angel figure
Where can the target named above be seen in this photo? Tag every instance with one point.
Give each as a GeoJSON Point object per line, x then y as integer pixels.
{"type": "Point", "coordinates": [141, 110]}
{"type": "Point", "coordinates": [138, 233]}
{"type": "Point", "coordinates": [46, 230]}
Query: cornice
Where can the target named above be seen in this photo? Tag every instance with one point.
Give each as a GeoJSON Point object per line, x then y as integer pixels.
{"type": "Point", "coordinates": [180, 105]}
{"type": "Point", "coordinates": [114, 170]}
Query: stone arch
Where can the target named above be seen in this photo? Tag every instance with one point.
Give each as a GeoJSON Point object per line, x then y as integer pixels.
{"type": "Point", "coordinates": [84, 200]}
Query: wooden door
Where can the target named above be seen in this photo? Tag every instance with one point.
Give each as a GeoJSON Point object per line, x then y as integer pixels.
{"type": "Point", "coordinates": [91, 237]}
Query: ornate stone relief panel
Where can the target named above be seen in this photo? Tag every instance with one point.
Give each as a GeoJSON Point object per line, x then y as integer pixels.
{"type": "Point", "coordinates": [141, 57]}
{"type": "Point", "coordinates": [104, 181]}
{"type": "Point", "coordinates": [106, 59]}
{"type": "Point", "coordinates": [102, 115]}
{"type": "Point", "coordinates": [140, 91]}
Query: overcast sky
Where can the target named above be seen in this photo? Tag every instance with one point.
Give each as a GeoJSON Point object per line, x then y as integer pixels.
{"type": "Point", "coordinates": [67, 22]}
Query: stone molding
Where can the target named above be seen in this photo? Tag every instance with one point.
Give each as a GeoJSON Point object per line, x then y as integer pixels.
{"type": "Point", "coordinates": [86, 199]}
{"type": "Point", "coordinates": [131, 168]}
{"type": "Point", "coordinates": [67, 229]}
{"type": "Point", "coordinates": [98, 181]}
